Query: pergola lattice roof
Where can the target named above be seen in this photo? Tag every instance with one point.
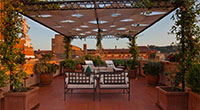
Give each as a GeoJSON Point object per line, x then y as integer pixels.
{"type": "Point", "coordinates": [87, 17]}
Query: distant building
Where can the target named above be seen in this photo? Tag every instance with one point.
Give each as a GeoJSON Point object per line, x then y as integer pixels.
{"type": "Point", "coordinates": [39, 53]}
{"type": "Point", "coordinates": [119, 53]}
{"type": "Point", "coordinates": [59, 50]}
{"type": "Point", "coordinates": [24, 41]}
{"type": "Point", "coordinates": [58, 47]}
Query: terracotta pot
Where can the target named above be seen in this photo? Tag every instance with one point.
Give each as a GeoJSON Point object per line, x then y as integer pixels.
{"type": "Point", "coordinates": [152, 80]}
{"type": "Point", "coordinates": [21, 100]}
{"type": "Point", "coordinates": [194, 101]}
{"type": "Point", "coordinates": [78, 67]}
{"type": "Point", "coordinates": [46, 79]}
{"type": "Point", "coordinates": [132, 73]}
{"type": "Point", "coordinates": [1, 99]}
{"type": "Point", "coordinates": [171, 100]}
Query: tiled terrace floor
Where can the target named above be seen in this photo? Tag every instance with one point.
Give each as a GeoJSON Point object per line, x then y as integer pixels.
{"type": "Point", "coordinates": [143, 97]}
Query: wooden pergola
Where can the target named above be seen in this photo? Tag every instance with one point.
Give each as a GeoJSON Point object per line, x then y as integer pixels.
{"type": "Point", "coordinates": [88, 18]}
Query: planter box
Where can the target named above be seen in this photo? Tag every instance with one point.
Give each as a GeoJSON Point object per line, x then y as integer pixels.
{"type": "Point", "coordinates": [194, 101]}
{"type": "Point", "coordinates": [152, 80]}
{"type": "Point", "coordinates": [132, 73]}
{"type": "Point", "coordinates": [1, 99]}
{"type": "Point", "coordinates": [46, 79]}
{"type": "Point", "coordinates": [171, 100]}
{"type": "Point", "coordinates": [22, 100]}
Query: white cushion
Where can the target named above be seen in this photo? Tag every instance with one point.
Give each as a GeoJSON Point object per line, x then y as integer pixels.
{"type": "Point", "coordinates": [89, 62]}
{"type": "Point", "coordinates": [81, 86]}
{"type": "Point", "coordinates": [118, 69]}
{"type": "Point", "coordinates": [109, 62]}
{"type": "Point", "coordinates": [112, 65]}
{"type": "Point", "coordinates": [114, 86]}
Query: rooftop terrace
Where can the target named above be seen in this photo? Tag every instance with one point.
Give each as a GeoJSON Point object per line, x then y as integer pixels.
{"type": "Point", "coordinates": [143, 97]}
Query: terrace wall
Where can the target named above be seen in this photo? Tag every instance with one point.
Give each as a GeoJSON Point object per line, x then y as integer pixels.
{"type": "Point", "coordinates": [168, 67]}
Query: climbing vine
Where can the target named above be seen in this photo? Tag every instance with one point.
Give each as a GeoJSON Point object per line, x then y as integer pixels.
{"type": "Point", "coordinates": [186, 30]}
{"type": "Point", "coordinates": [68, 46]}
{"type": "Point", "coordinates": [187, 34]}
{"type": "Point", "coordinates": [10, 29]}
{"type": "Point", "coordinates": [99, 39]}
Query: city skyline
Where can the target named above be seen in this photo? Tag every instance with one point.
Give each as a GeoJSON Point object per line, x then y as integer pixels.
{"type": "Point", "coordinates": [157, 35]}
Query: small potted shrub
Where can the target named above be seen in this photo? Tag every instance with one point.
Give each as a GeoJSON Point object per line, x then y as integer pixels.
{"type": "Point", "coordinates": [172, 97]}
{"type": "Point", "coordinates": [45, 69]}
{"type": "Point", "coordinates": [173, 58]}
{"type": "Point", "coordinates": [193, 81]}
{"type": "Point", "coordinates": [3, 81]}
{"type": "Point", "coordinates": [68, 65]}
{"type": "Point", "coordinates": [12, 58]}
{"type": "Point", "coordinates": [133, 62]}
{"type": "Point", "coordinates": [132, 65]}
{"type": "Point", "coordinates": [152, 70]}
{"type": "Point", "coordinates": [98, 61]}
{"type": "Point", "coordinates": [119, 63]}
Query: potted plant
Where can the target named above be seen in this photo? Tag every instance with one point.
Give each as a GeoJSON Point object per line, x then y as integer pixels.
{"type": "Point", "coordinates": [45, 69]}
{"type": "Point", "coordinates": [12, 59]}
{"type": "Point", "coordinates": [174, 96]}
{"type": "Point", "coordinates": [119, 62]}
{"type": "Point", "coordinates": [68, 65]}
{"type": "Point", "coordinates": [193, 81]}
{"type": "Point", "coordinates": [3, 81]}
{"type": "Point", "coordinates": [132, 63]}
{"type": "Point", "coordinates": [132, 66]}
{"type": "Point", "coordinates": [173, 57]}
{"type": "Point", "coordinates": [79, 63]}
{"type": "Point", "coordinates": [98, 61]}
{"type": "Point", "coordinates": [152, 69]}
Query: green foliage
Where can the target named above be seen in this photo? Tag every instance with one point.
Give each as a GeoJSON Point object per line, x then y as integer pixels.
{"type": "Point", "coordinates": [46, 57]}
{"type": "Point", "coordinates": [119, 62]}
{"type": "Point", "coordinates": [164, 49]}
{"type": "Point", "coordinates": [131, 64]}
{"type": "Point", "coordinates": [88, 57]}
{"type": "Point", "coordinates": [152, 55]}
{"type": "Point", "coordinates": [193, 78]}
{"type": "Point", "coordinates": [153, 68]}
{"type": "Point", "coordinates": [20, 59]}
{"type": "Point", "coordinates": [98, 61]}
{"type": "Point", "coordinates": [44, 66]}
{"type": "Point", "coordinates": [144, 4]}
{"type": "Point", "coordinates": [187, 34]}
{"type": "Point", "coordinates": [173, 57]}
{"type": "Point", "coordinates": [173, 80]}
{"type": "Point", "coordinates": [3, 77]}
{"type": "Point", "coordinates": [133, 49]}
{"type": "Point", "coordinates": [11, 57]}
{"type": "Point", "coordinates": [68, 46]}
{"type": "Point", "coordinates": [68, 64]}
{"type": "Point", "coordinates": [99, 43]}
{"type": "Point", "coordinates": [80, 60]}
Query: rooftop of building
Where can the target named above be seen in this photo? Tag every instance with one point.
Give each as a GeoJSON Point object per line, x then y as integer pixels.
{"type": "Point", "coordinates": [142, 98]}
{"type": "Point", "coordinates": [142, 49]}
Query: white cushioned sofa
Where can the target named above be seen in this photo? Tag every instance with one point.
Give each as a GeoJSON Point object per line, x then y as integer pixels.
{"type": "Point", "coordinates": [79, 80]}
{"type": "Point", "coordinates": [114, 80]}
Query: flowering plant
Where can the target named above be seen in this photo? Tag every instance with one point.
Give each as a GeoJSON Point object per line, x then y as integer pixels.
{"type": "Point", "coordinates": [173, 58]}
{"type": "Point", "coordinates": [152, 54]}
